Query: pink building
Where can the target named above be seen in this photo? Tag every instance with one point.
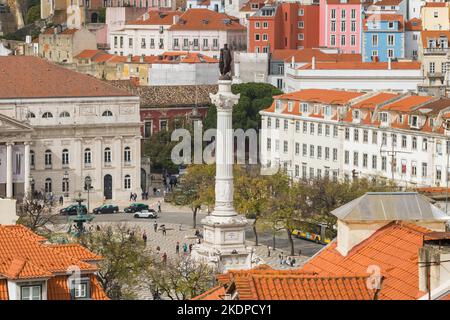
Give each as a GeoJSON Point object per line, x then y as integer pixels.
{"type": "Point", "coordinates": [341, 24]}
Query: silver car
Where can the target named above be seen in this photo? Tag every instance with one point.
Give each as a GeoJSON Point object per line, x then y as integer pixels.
{"type": "Point", "coordinates": [149, 214]}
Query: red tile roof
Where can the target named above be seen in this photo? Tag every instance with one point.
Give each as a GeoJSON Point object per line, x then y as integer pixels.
{"type": "Point", "coordinates": [433, 34]}
{"type": "Point", "coordinates": [373, 101]}
{"type": "Point", "coordinates": [204, 19]}
{"type": "Point", "coordinates": [269, 284]}
{"type": "Point", "coordinates": [322, 96]}
{"type": "Point", "coordinates": [41, 79]}
{"type": "Point", "coordinates": [216, 293]}
{"type": "Point", "coordinates": [435, 4]}
{"type": "Point", "coordinates": [415, 24]}
{"type": "Point", "coordinates": [155, 18]}
{"type": "Point", "coordinates": [388, 2]}
{"type": "Point", "coordinates": [58, 289]}
{"type": "Point", "coordinates": [393, 248]}
{"type": "Point", "coordinates": [352, 65]}
{"type": "Point", "coordinates": [406, 104]}
{"type": "Point", "coordinates": [76, 251]}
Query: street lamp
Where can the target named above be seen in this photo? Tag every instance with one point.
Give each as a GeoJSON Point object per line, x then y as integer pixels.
{"type": "Point", "coordinates": [66, 184]}
{"type": "Point", "coordinates": [88, 182]}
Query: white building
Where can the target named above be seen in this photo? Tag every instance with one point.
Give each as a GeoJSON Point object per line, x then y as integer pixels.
{"type": "Point", "coordinates": [342, 134]}
{"type": "Point", "coordinates": [215, 5]}
{"type": "Point", "coordinates": [412, 38]}
{"type": "Point", "coordinates": [351, 75]}
{"type": "Point", "coordinates": [60, 127]}
{"type": "Point", "coordinates": [199, 30]}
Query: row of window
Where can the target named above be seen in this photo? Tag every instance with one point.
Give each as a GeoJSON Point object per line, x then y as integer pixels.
{"type": "Point", "coordinates": [321, 128]}
{"type": "Point", "coordinates": [343, 26]}
{"type": "Point", "coordinates": [322, 152]}
{"type": "Point", "coordinates": [65, 184]}
{"type": "Point", "coordinates": [343, 40]}
{"type": "Point", "coordinates": [64, 114]}
{"type": "Point", "coordinates": [343, 13]}
{"type": "Point", "coordinates": [390, 40]}
{"type": "Point", "coordinates": [87, 156]}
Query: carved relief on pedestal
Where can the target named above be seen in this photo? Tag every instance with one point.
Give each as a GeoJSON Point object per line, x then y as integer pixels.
{"type": "Point", "coordinates": [126, 110]}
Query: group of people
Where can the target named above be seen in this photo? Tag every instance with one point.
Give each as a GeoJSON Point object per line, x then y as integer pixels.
{"type": "Point", "coordinates": [290, 261]}
{"type": "Point", "coordinates": [133, 196]}
{"type": "Point", "coordinates": [186, 248]}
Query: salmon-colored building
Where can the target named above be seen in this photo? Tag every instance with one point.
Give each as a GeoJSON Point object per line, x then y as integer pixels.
{"type": "Point", "coordinates": [283, 26]}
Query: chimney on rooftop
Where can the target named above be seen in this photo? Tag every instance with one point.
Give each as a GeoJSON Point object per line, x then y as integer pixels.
{"type": "Point", "coordinates": [389, 63]}
{"type": "Point", "coordinates": [175, 19]}
{"type": "Point", "coordinates": [434, 263]}
{"type": "Point", "coordinates": [292, 61]}
{"type": "Point", "coordinates": [313, 63]}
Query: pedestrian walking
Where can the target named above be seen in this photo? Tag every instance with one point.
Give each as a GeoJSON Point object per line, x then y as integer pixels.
{"type": "Point", "coordinates": [185, 248]}
{"type": "Point", "coordinates": [61, 200]}
{"type": "Point", "coordinates": [288, 261]}
{"type": "Point", "coordinates": [164, 258]}
{"type": "Point", "coordinates": [131, 196]}
{"type": "Point", "coordinates": [155, 226]}
{"type": "Point", "coordinates": [280, 258]}
{"type": "Point", "coordinates": [159, 206]}
{"type": "Point", "coordinates": [144, 237]}
{"type": "Point", "coordinates": [190, 248]}
{"type": "Point", "coordinates": [177, 248]}
{"type": "Point", "coordinates": [158, 249]}
{"type": "Point", "coordinates": [268, 251]}
{"type": "Point", "coordinates": [163, 227]}
{"type": "Point", "coordinates": [293, 261]}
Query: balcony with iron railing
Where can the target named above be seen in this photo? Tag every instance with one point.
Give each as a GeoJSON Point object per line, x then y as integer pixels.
{"type": "Point", "coordinates": [436, 50]}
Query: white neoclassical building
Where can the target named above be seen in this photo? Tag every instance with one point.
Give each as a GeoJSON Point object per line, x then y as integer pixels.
{"type": "Point", "coordinates": [59, 129]}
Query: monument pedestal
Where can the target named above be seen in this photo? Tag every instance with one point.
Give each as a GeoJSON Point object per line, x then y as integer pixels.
{"type": "Point", "coordinates": [224, 230]}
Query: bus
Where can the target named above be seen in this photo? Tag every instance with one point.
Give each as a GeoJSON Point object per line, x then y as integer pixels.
{"type": "Point", "coordinates": [313, 231]}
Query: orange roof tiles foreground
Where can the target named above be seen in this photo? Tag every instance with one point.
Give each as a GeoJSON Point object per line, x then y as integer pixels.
{"type": "Point", "coordinates": [41, 79]}
{"type": "Point", "coordinates": [393, 248]}
{"type": "Point", "coordinates": [406, 104]}
{"type": "Point", "coordinates": [373, 101]}
{"type": "Point", "coordinates": [25, 256]}
{"type": "Point", "coordinates": [322, 96]}
{"type": "Point", "coordinates": [204, 19]}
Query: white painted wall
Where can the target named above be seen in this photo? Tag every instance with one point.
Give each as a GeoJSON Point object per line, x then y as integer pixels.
{"type": "Point", "coordinates": [183, 74]}
{"type": "Point", "coordinates": [8, 211]}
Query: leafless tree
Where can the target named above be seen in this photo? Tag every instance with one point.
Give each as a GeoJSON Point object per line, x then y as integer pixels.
{"type": "Point", "coordinates": [38, 215]}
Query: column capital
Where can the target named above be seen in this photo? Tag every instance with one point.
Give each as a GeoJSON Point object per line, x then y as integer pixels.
{"type": "Point", "coordinates": [9, 143]}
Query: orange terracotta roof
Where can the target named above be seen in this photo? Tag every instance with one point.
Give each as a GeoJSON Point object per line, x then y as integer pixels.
{"type": "Point", "coordinates": [339, 2]}
{"type": "Point", "coordinates": [77, 251]}
{"type": "Point", "coordinates": [269, 284]}
{"type": "Point", "coordinates": [352, 65]}
{"type": "Point", "coordinates": [373, 101]}
{"type": "Point", "coordinates": [247, 7]}
{"type": "Point", "coordinates": [204, 19]}
{"type": "Point", "coordinates": [22, 257]}
{"type": "Point", "coordinates": [216, 293]}
{"type": "Point", "coordinates": [156, 18]}
{"type": "Point", "coordinates": [58, 289]}
{"type": "Point", "coordinates": [415, 24]}
{"type": "Point", "coordinates": [393, 248]}
{"type": "Point", "coordinates": [435, 4]}
{"type": "Point", "coordinates": [88, 54]}
{"type": "Point", "coordinates": [322, 96]}
{"type": "Point", "coordinates": [41, 79]}
{"type": "Point", "coordinates": [406, 104]}
{"type": "Point", "coordinates": [388, 2]}
{"type": "Point", "coordinates": [433, 34]}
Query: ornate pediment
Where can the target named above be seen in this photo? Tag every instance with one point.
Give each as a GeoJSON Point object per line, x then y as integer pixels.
{"type": "Point", "coordinates": [9, 125]}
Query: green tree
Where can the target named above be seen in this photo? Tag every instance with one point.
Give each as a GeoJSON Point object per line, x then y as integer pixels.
{"type": "Point", "coordinates": [254, 98]}
{"type": "Point", "coordinates": [33, 14]}
{"type": "Point", "coordinates": [125, 259]}
{"type": "Point", "coordinates": [195, 189]}
{"type": "Point", "coordinates": [251, 194]}
{"type": "Point", "coordinates": [179, 279]}
{"type": "Point", "coordinates": [159, 148]}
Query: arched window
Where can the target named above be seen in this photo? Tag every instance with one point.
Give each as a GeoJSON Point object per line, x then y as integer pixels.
{"type": "Point", "coordinates": [107, 155]}
{"type": "Point", "coordinates": [31, 115]}
{"type": "Point", "coordinates": [65, 157]}
{"type": "Point", "coordinates": [107, 113]}
{"type": "Point", "coordinates": [127, 182]}
{"type": "Point", "coordinates": [87, 156]}
{"type": "Point", "coordinates": [48, 185]}
{"type": "Point", "coordinates": [48, 158]}
{"type": "Point", "coordinates": [47, 115]}
{"type": "Point", "coordinates": [127, 154]}
{"type": "Point", "coordinates": [32, 159]}
{"type": "Point", "coordinates": [64, 114]}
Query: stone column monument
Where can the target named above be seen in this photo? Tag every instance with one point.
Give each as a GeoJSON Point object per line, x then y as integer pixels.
{"type": "Point", "coordinates": [223, 244]}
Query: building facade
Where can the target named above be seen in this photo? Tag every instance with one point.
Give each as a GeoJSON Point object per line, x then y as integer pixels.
{"type": "Point", "coordinates": [76, 127]}
{"type": "Point", "coordinates": [348, 134]}
{"type": "Point", "coordinates": [283, 26]}
{"type": "Point", "coordinates": [383, 37]}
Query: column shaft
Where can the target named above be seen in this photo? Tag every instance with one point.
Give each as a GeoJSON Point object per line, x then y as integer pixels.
{"type": "Point", "coordinates": [9, 170]}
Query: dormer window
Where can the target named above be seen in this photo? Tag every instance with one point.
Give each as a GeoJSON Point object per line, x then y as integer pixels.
{"type": "Point", "coordinates": [400, 118]}
{"type": "Point", "coordinates": [278, 105]}
{"type": "Point", "coordinates": [305, 107]}
{"type": "Point", "coordinates": [356, 114]}
{"type": "Point", "coordinates": [431, 122]}
{"type": "Point", "coordinates": [414, 122]}
{"type": "Point", "coordinates": [383, 117]}
{"type": "Point", "coordinates": [391, 25]}
{"type": "Point", "coordinates": [31, 292]}
{"type": "Point", "coordinates": [327, 110]}
{"type": "Point", "coordinates": [290, 106]}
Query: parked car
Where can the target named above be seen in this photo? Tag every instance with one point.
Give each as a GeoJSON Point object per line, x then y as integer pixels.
{"type": "Point", "coordinates": [106, 208]}
{"type": "Point", "coordinates": [149, 214]}
{"type": "Point", "coordinates": [72, 210]}
{"type": "Point", "coordinates": [136, 207]}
